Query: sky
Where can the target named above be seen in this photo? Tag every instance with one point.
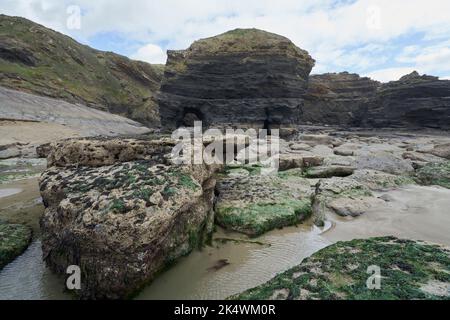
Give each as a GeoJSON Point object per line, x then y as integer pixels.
{"type": "Point", "coordinates": [382, 39]}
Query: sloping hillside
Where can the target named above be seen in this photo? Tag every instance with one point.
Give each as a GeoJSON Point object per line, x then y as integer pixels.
{"type": "Point", "coordinates": [38, 60]}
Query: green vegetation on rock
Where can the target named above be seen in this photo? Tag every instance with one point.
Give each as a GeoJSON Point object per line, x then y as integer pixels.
{"type": "Point", "coordinates": [14, 239]}
{"type": "Point", "coordinates": [409, 270]}
{"type": "Point", "coordinates": [435, 174]}
{"type": "Point", "coordinates": [39, 60]}
{"type": "Point", "coordinates": [245, 40]}
{"type": "Point", "coordinates": [256, 218]}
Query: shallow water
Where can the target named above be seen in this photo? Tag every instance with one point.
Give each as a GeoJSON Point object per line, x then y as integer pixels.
{"type": "Point", "coordinates": [27, 278]}
{"type": "Point", "coordinates": [227, 268]}
{"type": "Point", "coordinates": [194, 277]}
{"type": "Point", "coordinates": [413, 212]}
{"type": "Point", "coordinates": [9, 192]}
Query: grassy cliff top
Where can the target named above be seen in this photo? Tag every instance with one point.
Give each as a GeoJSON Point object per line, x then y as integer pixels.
{"type": "Point", "coordinates": [39, 60]}
{"type": "Point", "coordinates": [248, 40]}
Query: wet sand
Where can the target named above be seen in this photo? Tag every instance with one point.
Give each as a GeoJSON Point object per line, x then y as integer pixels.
{"type": "Point", "coordinates": [33, 132]}
{"type": "Point", "coordinates": [9, 192]}
{"type": "Point", "coordinates": [24, 206]}
{"type": "Point", "coordinates": [413, 212]}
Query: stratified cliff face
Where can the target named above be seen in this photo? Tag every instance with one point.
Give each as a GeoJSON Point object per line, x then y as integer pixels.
{"type": "Point", "coordinates": [44, 62]}
{"type": "Point", "coordinates": [413, 101]}
{"type": "Point", "coordinates": [242, 77]}
{"type": "Point", "coordinates": [349, 100]}
{"type": "Point", "coordinates": [337, 98]}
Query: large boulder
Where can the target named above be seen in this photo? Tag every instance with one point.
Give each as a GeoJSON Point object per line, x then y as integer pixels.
{"type": "Point", "coordinates": [252, 203]}
{"type": "Point", "coordinates": [122, 223]}
{"type": "Point", "coordinates": [245, 76]}
{"type": "Point", "coordinates": [341, 196]}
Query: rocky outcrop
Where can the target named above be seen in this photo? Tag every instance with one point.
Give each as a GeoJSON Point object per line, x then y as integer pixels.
{"type": "Point", "coordinates": [413, 101]}
{"type": "Point", "coordinates": [97, 152]}
{"type": "Point", "coordinates": [121, 223]}
{"type": "Point", "coordinates": [435, 174]}
{"type": "Point", "coordinates": [337, 98]}
{"type": "Point", "coordinates": [333, 273]}
{"type": "Point", "coordinates": [242, 77]}
{"type": "Point", "coordinates": [251, 203]}
{"type": "Point", "coordinates": [41, 61]}
{"type": "Point", "coordinates": [14, 239]}
{"type": "Point", "coordinates": [349, 100]}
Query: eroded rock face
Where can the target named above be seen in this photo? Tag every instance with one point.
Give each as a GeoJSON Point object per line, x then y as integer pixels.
{"type": "Point", "coordinates": [345, 99]}
{"type": "Point", "coordinates": [122, 222]}
{"type": "Point", "coordinates": [337, 98]}
{"type": "Point", "coordinates": [413, 101]}
{"type": "Point", "coordinates": [242, 77]}
{"type": "Point", "coordinates": [95, 152]}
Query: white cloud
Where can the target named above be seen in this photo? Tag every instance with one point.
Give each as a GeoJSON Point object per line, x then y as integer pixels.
{"type": "Point", "coordinates": [429, 59]}
{"type": "Point", "coordinates": [150, 53]}
{"type": "Point", "coordinates": [328, 29]}
{"type": "Point", "coordinates": [389, 74]}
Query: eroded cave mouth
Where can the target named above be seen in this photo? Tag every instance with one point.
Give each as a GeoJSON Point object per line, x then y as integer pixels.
{"type": "Point", "coordinates": [189, 116]}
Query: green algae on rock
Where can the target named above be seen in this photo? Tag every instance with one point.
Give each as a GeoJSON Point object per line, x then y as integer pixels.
{"type": "Point", "coordinates": [378, 180]}
{"type": "Point", "coordinates": [435, 174]}
{"type": "Point", "coordinates": [122, 223]}
{"type": "Point", "coordinates": [14, 239]}
{"type": "Point", "coordinates": [254, 204]}
{"type": "Point", "coordinates": [409, 270]}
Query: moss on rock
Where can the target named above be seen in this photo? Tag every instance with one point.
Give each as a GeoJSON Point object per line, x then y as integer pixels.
{"type": "Point", "coordinates": [435, 174]}
{"type": "Point", "coordinates": [409, 270]}
{"type": "Point", "coordinates": [14, 239]}
{"type": "Point", "coordinates": [256, 218]}
{"type": "Point", "coordinates": [252, 204]}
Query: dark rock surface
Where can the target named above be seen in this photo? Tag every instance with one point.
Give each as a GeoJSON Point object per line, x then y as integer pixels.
{"type": "Point", "coordinates": [245, 76]}
{"type": "Point", "coordinates": [345, 99]}
{"type": "Point", "coordinates": [337, 98]}
{"type": "Point", "coordinates": [413, 101]}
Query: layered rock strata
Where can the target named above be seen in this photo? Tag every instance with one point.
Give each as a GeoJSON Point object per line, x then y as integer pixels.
{"type": "Point", "coordinates": [413, 101]}
{"type": "Point", "coordinates": [337, 98]}
{"type": "Point", "coordinates": [349, 100]}
{"type": "Point", "coordinates": [245, 77]}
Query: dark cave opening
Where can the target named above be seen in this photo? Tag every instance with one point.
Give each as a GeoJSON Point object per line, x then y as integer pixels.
{"type": "Point", "coordinates": [189, 116]}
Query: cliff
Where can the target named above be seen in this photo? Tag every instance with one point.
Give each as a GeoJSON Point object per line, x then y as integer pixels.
{"type": "Point", "coordinates": [412, 101]}
{"type": "Point", "coordinates": [38, 60]}
{"type": "Point", "coordinates": [242, 77]}
{"type": "Point", "coordinates": [337, 98]}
